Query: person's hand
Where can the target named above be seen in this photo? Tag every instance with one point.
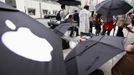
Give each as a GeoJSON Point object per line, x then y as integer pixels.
{"type": "Point", "coordinates": [130, 48]}
{"type": "Point", "coordinates": [130, 28]}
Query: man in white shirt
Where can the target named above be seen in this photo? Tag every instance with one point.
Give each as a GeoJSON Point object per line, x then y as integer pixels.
{"type": "Point", "coordinates": [63, 13]}
{"type": "Point", "coordinates": [84, 20]}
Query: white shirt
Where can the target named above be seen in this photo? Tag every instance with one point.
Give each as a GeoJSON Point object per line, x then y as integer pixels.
{"type": "Point", "coordinates": [63, 14]}
{"type": "Point", "coordinates": [84, 21]}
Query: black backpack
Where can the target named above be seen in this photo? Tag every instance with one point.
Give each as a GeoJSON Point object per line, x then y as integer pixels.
{"type": "Point", "coordinates": [58, 17]}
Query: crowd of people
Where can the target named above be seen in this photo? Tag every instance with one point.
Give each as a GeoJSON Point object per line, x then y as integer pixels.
{"type": "Point", "coordinates": [85, 20]}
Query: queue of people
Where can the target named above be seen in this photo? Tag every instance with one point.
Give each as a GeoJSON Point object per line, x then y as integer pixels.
{"type": "Point", "coordinates": [86, 20]}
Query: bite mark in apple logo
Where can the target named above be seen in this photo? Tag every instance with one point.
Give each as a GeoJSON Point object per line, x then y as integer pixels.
{"type": "Point", "coordinates": [26, 44]}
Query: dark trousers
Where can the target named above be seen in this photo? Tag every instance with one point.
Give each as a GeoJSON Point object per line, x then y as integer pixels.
{"type": "Point", "coordinates": [91, 25]}
{"type": "Point", "coordinates": [74, 29]}
{"type": "Point", "coordinates": [104, 31]}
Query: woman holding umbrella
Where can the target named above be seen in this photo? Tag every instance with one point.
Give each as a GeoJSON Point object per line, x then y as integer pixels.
{"type": "Point", "coordinates": [108, 25]}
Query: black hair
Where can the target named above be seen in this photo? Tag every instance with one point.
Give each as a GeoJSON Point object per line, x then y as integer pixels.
{"type": "Point", "coordinates": [70, 16]}
{"type": "Point", "coordinates": [129, 13]}
{"type": "Point", "coordinates": [86, 7]}
{"type": "Point", "coordinates": [132, 43]}
{"type": "Point", "coordinates": [63, 6]}
{"type": "Point", "coordinates": [75, 10]}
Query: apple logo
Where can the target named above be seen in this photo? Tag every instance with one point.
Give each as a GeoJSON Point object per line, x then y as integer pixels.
{"type": "Point", "coordinates": [26, 44]}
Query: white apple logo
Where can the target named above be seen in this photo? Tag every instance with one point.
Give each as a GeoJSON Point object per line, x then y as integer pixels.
{"type": "Point", "coordinates": [26, 44]}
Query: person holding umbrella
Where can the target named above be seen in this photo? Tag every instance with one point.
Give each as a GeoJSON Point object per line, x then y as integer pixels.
{"type": "Point", "coordinates": [125, 66]}
{"type": "Point", "coordinates": [108, 25]}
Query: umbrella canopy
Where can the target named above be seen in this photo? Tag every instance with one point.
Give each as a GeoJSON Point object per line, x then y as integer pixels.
{"type": "Point", "coordinates": [113, 7]}
{"type": "Point", "coordinates": [27, 47]}
{"type": "Point", "coordinates": [90, 55]}
{"type": "Point", "coordinates": [69, 2]}
{"type": "Point", "coordinates": [62, 28]}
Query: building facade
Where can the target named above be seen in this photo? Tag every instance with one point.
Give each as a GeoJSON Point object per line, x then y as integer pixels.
{"type": "Point", "coordinates": [35, 8]}
{"type": "Point", "coordinates": [38, 8]}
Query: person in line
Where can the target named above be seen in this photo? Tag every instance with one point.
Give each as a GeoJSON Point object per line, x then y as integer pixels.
{"type": "Point", "coordinates": [84, 15]}
{"type": "Point", "coordinates": [76, 17]}
{"type": "Point", "coordinates": [60, 17]}
{"type": "Point", "coordinates": [108, 25]}
{"type": "Point", "coordinates": [91, 21]}
{"type": "Point", "coordinates": [63, 12]}
{"type": "Point", "coordinates": [76, 20]}
{"type": "Point", "coordinates": [98, 24]}
{"type": "Point", "coordinates": [124, 22]}
{"type": "Point", "coordinates": [73, 28]}
{"type": "Point", "coordinates": [120, 25]}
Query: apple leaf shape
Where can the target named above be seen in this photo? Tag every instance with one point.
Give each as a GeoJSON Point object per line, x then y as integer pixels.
{"type": "Point", "coordinates": [26, 44]}
{"type": "Point", "coordinates": [10, 24]}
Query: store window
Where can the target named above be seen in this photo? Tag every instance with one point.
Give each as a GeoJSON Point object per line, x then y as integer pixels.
{"type": "Point", "coordinates": [11, 2]}
{"type": "Point", "coordinates": [55, 12]}
{"type": "Point", "coordinates": [45, 12]}
{"type": "Point", "coordinates": [31, 11]}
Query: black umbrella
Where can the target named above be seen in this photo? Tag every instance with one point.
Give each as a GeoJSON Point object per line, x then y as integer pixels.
{"type": "Point", "coordinates": [62, 28]}
{"type": "Point", "coordinates": [89, 55]}
{"type": "Point", "coordinates": [113, 7]}
{"type": "Point", "coordinates": [27, 47]}
{"type": "Point", "coordinates": [69, 2]}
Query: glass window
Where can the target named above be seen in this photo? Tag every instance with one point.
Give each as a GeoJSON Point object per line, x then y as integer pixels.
{"type": "Point", "coordinates": [54, 12]}
{"type": "Point", "coordinates": [11, 2]}
{"type": "Point", "coordinates": [45, 12]}
{"type": "Point", "coordinates": [31, 11]}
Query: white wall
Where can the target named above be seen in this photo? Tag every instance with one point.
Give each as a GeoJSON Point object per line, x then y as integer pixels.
{"type": "Point", "coordinates": [20, 5]}
{"type": "Point", "coordinates": [3, 1]}
{"type": "Point", "coordinates": [32, 4]}
{"type": "Point", "coordinates": [24, 5]}
{"type": "Point", "coordinates": [44, 5]}
{"type": "Point", "coordinates": [50, 6]}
